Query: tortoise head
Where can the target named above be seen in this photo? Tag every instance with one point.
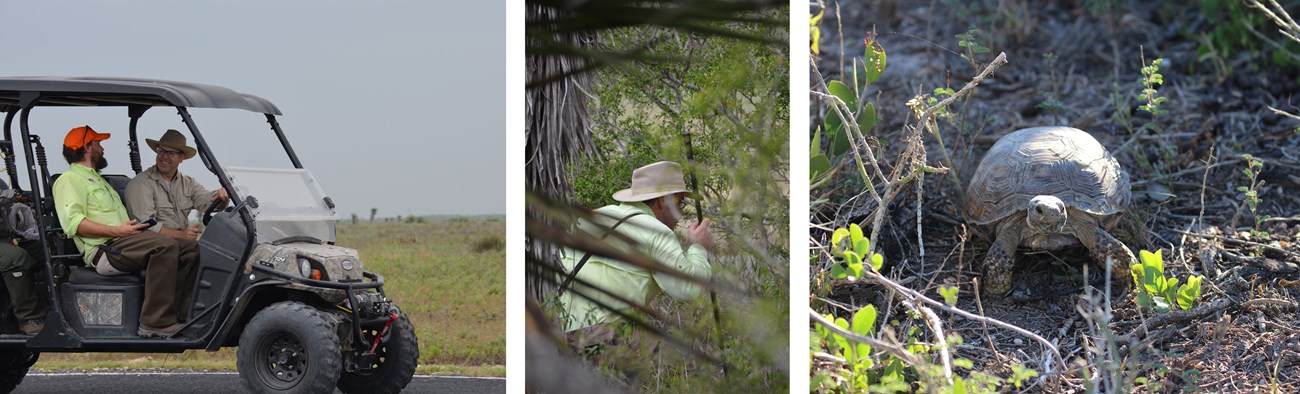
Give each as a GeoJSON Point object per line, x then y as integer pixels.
{"type": "Point", "coordinates": [1046, 214]}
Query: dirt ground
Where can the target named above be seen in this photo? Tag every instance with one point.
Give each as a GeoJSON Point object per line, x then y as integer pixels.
{"type": "Point", "coordinates": [1244, 335]}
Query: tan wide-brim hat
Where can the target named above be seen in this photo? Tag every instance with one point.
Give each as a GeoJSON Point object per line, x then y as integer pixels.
{"type": "Point", "coordinates": [653, 181]}
{"type": "Point", "coordinates": [172, 139]}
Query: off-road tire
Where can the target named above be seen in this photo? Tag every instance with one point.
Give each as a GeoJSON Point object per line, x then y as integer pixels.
{"type": "Point", "coordinates": [13, 368]}
{"type": "Point", "coordinates": [396, 365]}
{"type": "Point", "coordinates": [289, 347]}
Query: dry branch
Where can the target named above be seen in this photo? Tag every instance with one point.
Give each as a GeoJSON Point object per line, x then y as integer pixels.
{"type": "Point", "coordinates": [1182, 316]}
{"type": "Point", "coordinates": [890, 348]}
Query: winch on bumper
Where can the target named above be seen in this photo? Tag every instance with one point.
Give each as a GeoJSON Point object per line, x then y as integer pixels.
{"type": "Point", "coordinates": [336, 275]}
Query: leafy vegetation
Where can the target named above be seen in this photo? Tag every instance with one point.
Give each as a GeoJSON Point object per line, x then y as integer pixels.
{"type": "Point", "coordinates": [1235, 33]}
{"type": "Point", "coordinates": [853, 254]}
{"type": "Point", "coordinates": [844, 360]}
{"type": "Point", "coordinates": [1250, 192]}
{"type": "Point", "coordinates": [728, 99]}
{"type": "Point", "coordinates": [1157, 292]}
{"type": "Point", "coordinates": [1151, 79]}
{"type": "Point", "coordinates": [1179, 123]}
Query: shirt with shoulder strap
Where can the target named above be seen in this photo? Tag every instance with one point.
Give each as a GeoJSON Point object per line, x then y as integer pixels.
{"type": "Point", "coordinates": [82, 194]}
{"type": "Point", "coordinates": [649, 236]}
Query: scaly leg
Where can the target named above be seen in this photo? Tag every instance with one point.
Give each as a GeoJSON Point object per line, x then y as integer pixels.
{"type": "Point", "coordinates": [1101, 245]}
{"type": "Point", "coordinates": [998, 265]}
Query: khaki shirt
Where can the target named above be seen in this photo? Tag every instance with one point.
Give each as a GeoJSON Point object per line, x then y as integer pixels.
{"type": "Point", "coordinates": [82, 194]}
{"type": "Point", "coordinates": [147, 195]}
{"type": "Point", "coordinates": [650, 236]}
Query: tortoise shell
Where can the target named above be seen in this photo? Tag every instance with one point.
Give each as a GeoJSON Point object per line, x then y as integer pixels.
{"type": "Point", "coordinates": [1059, 161]}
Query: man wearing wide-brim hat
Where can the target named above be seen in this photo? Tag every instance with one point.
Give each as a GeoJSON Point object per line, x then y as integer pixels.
{"type": "Point", "coordinates": [162, 192]}
{"type": "Point", "coordinates": [649, 212]}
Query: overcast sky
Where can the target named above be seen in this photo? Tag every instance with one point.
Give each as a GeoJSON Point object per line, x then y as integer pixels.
{"type": "Point", "coordinates": [395, 105]}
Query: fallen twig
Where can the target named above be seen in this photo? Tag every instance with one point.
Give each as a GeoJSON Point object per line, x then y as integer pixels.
{"type": "Point", "coordinates": [1172, 317]}
{"type": "Point", "coordinates": [1261, 263]}
{"type": "Point", "coordinates": [1241, 241]}
{"type": "Point", "coordinates": [1268, 301]}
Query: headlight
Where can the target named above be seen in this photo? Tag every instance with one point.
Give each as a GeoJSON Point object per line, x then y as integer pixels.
{"type": "Point", "coordinates": [347, 265]}
{"type": "Point", "coordinates": [304, 267]}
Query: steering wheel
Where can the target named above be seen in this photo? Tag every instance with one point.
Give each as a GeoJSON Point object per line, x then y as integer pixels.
{"type": "Point", "coordinates": [212, 209]}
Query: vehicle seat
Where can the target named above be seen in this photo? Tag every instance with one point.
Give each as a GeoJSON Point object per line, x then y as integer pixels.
{"type": "Point", "coordinates": [69, 255]}
{"type": "Point", "coordinates": [83, 275]}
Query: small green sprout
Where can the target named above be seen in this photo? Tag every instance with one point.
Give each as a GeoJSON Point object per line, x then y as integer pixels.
{"type": "Point", "coordinates": [1155, 291]}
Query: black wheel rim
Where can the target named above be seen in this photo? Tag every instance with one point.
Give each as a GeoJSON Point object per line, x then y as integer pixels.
{"type": "Point", "coordinates": [284, 361]}
{"type": "Point", "coordinates": [381, 352]}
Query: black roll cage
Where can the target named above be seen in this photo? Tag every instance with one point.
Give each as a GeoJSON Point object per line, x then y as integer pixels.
{"type": "Point", "coordinates": [19, 95]}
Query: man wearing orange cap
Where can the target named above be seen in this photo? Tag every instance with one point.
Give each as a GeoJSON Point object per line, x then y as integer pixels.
{"type": "Point", "coordinates": [92, 214]}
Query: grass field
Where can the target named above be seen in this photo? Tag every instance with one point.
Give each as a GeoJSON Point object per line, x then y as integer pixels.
{"type": "Point", "coordinates": [447, 275]}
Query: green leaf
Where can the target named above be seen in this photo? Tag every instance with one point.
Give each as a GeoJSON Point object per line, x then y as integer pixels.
{"type": "Point", "coordinates": [949, 294]}
{"type": "Point", "coordinates": [822, 332]}
{"type": "Point", "coordinates": [1162, 305]}
{"type": "Point", "coordinates": [855, 233]}
{"type": "Point", "coordinates": [818, 166]}
{"type": "Point", "coordinates": [1143, 299]}
{"type": "Point", "coordinates": [835, 124]}
{"type": "Point", "coordinates": [963, 363]}
{"type": "Point", "coordinates": [818, 163]}
{"type": "Point", "coordinates": [1188, 293]}
{"type": "Point", "coordinates": [836, 237]}
{"type": "Point", "coordinates": [1153, 281]}
{"type": "Point", "coordinates": [819, 382]}
{"type": "Point", "coordinates": [867, 118]}
{"type": "Point", "coordinates": [1171, 290]}
{"type": "Point", "coordinates": [875, 62]}
{"type": "Point", "coordinates": [855, 264]}
{"type": "Point", "coordinates": [1139, 276]}
{"type": "Point", "coordinates": [861, 246]}
{"type": "Point", "coordinates": [1153, 260]}
{"type": "Point", "coordinates": [814, 32]}
{"type": "Point", "coordinates": [840, 270]}
{"type": "Point", "coordinates": [877, 261]}
{"type": "Point", "coordinates": [815, 148]}
{"type": "Point", "coordinates": [840, 341]}
{"type": "Point", "coordinates": [864, 320]}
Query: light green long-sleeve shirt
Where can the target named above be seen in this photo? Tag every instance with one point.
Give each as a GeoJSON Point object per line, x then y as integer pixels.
{"type": "Point", "coordinates": [82, 194]}
{"type": "Point", "coordinates": [652, 238]}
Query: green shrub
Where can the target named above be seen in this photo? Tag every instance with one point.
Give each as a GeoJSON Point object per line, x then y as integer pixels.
{"type": "Point", "coordinates": [1155, 291]}
{"type": "Point", "coordinates": [489, 244]}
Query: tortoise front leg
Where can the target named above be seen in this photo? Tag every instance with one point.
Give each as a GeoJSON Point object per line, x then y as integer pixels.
{"type": "Point", "coordinates": [1101, 245]}
{"type": "Point", "coordinates": [998, 265]}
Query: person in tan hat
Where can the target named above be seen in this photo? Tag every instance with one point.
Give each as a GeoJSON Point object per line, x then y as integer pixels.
{"type": "Point", "coordinates": [92, 214]}
{"type": "Point", "coordinates": [162, 192]}
{"type": "Point", "coordinates": [648, 214]}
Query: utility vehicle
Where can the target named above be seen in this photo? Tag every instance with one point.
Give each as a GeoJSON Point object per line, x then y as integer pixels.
{"type": "Point", "coordinates": [305, 315]}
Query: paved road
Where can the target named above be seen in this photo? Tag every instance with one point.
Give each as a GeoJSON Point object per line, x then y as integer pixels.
{"type": "Point", "coordinates": [214, 383]}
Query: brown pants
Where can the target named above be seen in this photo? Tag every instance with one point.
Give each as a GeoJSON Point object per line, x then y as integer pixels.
{"type": "Point", "coordinates": [169, 267]}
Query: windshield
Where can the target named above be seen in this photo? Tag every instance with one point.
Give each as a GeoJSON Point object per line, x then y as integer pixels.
{"type": "Point", "coordinates": [289, 203]}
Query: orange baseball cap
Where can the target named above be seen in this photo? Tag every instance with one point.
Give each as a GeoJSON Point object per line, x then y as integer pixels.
{"type": "Point", "coordinates": [80, 136]}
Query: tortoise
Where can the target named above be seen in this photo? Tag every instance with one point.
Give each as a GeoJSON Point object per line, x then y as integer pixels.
{"type": "Point", "coordinates": [1048, 188]}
